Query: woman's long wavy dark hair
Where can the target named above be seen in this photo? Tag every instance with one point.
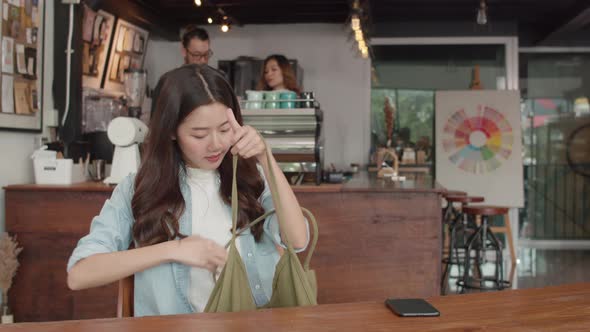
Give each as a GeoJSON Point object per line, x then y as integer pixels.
{"type": "Point", "coordinates": [289, 79]}
{"type": "Point", "coordinates": [158, 203]}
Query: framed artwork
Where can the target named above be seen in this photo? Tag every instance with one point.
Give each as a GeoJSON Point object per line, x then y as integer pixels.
{"type": "Point", "coordinates": [97, 31]}
{"type": "Point", "coordinates": [128, 51]}
{"type": "Point", "coordinates": [21, 77]}
{"type": "Point", "coordinates": [478, 145]}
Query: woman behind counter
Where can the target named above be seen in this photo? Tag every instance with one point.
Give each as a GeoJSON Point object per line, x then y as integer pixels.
{"type": "Point", "coordinates": [278, 75]}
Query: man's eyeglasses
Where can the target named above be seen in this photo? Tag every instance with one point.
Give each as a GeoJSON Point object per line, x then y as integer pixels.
{"type": "Point", "coordinates": [198, 56]}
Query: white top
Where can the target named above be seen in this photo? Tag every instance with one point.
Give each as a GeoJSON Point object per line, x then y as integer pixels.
{"type": "Point", "coordinates": [212, 220]}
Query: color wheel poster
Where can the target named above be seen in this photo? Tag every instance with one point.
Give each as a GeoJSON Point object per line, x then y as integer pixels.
{"type": "Point", "coordinates": [478, 145]}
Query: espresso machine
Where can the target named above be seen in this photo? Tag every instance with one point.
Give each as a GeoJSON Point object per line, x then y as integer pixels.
{"type": "Point", "coordinates": [296, 139]}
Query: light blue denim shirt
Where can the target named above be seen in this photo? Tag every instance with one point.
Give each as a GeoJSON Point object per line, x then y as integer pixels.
{"type": "Point", "coordinates": [163, 289]}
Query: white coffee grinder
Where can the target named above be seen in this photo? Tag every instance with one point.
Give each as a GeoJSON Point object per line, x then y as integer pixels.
{"type": "Point", "coordinates": [126, 133]}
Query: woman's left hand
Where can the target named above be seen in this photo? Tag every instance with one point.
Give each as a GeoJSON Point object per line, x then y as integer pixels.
{"type": "Point", "coordinates": [246, 142]}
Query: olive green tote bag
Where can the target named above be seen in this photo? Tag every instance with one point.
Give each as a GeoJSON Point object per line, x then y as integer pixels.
{"type": "Point", "coordinates": [293, 284]}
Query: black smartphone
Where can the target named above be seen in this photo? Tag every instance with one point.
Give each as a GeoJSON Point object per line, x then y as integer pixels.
{"type": "Point", "coordinates": [411, 308]}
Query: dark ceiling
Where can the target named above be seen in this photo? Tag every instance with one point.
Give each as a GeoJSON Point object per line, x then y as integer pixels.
{"type": "Point", "coordinates": [254, 11]}
{"type": "Point", "coordinates": [545, 18]}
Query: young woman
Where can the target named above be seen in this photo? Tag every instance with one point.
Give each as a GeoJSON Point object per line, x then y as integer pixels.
{"type": "Point", "coordinates": [278, 75]}
{"type": "Point", "coordinates": [176, 210]}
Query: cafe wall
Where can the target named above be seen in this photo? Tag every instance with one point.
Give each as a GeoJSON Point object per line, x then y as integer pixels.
{"type": "Point", "coordinates": [16, 166]}
{"type": "Point", "coordinates": [16, 147]}
{"type": "Point", "coordinates": [340, 79]}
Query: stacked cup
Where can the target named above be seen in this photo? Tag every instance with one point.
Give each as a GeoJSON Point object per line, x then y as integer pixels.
{"type": "Point", "coordinates": [254, 99]}
{"type": "Point", "coordinates": [288, 99]}
{"type": "Point", "coordinates": [271, 99]}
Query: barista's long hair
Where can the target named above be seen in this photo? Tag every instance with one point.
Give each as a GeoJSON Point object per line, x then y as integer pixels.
{"type": "Point", "coordinates": [158, 203]}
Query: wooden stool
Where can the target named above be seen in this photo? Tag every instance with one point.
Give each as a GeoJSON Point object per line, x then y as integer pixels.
{"type": "Point", "coordinates": [451, 214]}
{"type": "Point", "coordinates": [454, 193]}
{"type": "Point", "coordinates": [463, 199]}
{"type": "Point", "coordinates": [481, 241]}
{"type": "Point", "coordinates": [446, 194]}
{"type": "Point", "coordinates": [507, 231]}
{"type": "Point", "coordinates": [447, 210]}
{"type": "Point", "coordinates": [454, 221]}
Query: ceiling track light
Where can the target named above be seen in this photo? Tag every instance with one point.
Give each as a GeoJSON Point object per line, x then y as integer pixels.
{"type": "Point", "coordinates": [199, 3]}
{"type": "Point", "coordinates": [356, 23]}
{"type": "Point", "coordinates": [362, 44]}
{"type": "Point", "coordinates": [482, 13]}
{"type": "Point", "coordinates": [225, 20]}
{"type": "Point", "coordinates": [225, 23]}
{"type": "Point", "coordinates": [358, 35]}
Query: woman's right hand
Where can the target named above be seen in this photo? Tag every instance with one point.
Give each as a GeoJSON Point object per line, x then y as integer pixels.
{"type": "Point", "coordinates": [197, 251]}
{"type": "Point", "coordinates": [98, 269]}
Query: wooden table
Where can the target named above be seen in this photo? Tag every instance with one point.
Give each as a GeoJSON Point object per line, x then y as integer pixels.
{"type": "Point", "coordinates": [562, 308]}
{"type": "Point", "coordinates": [378, 238]}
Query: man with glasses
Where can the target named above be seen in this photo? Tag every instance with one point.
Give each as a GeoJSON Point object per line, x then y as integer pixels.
{"type": "Point", "coordinates": [195, 45]}
{"type": "Point", "coordinates": [195, 49]}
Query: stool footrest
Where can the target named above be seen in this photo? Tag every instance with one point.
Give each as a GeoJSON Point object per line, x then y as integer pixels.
{"type": "Point", "coordinates": [475, 283]}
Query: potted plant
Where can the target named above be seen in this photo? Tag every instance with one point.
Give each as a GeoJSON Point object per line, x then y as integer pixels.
{"type": "Point", "coordinates": [8, 264]}
{"type": "Point", "coordinates": [387, 152]}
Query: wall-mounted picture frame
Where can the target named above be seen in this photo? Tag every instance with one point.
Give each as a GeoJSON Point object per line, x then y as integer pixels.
{"type": "Point", "coordinates": [97, 32]}
{"type": "Point", "coordinates": [21, 77]}
{"type": "Point", "coordinates": [127, 51]}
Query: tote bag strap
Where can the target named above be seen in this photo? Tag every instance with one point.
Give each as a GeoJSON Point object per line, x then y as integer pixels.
{"type": "Point", "coordinates": [276, 200]}
{"type": "Point", "coordinates": [314, 227]}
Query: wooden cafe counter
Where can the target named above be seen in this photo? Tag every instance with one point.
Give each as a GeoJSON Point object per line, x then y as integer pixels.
{"type": "Point", "coordinates": [561, 308]}
{"type": "Point", "coordinates": [378, 239]}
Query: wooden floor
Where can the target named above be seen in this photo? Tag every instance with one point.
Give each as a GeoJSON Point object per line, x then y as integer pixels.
{"type": "Point", "coordinates": [543, 268]}
{"type": "Point", "coordinates": [540, 268]}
